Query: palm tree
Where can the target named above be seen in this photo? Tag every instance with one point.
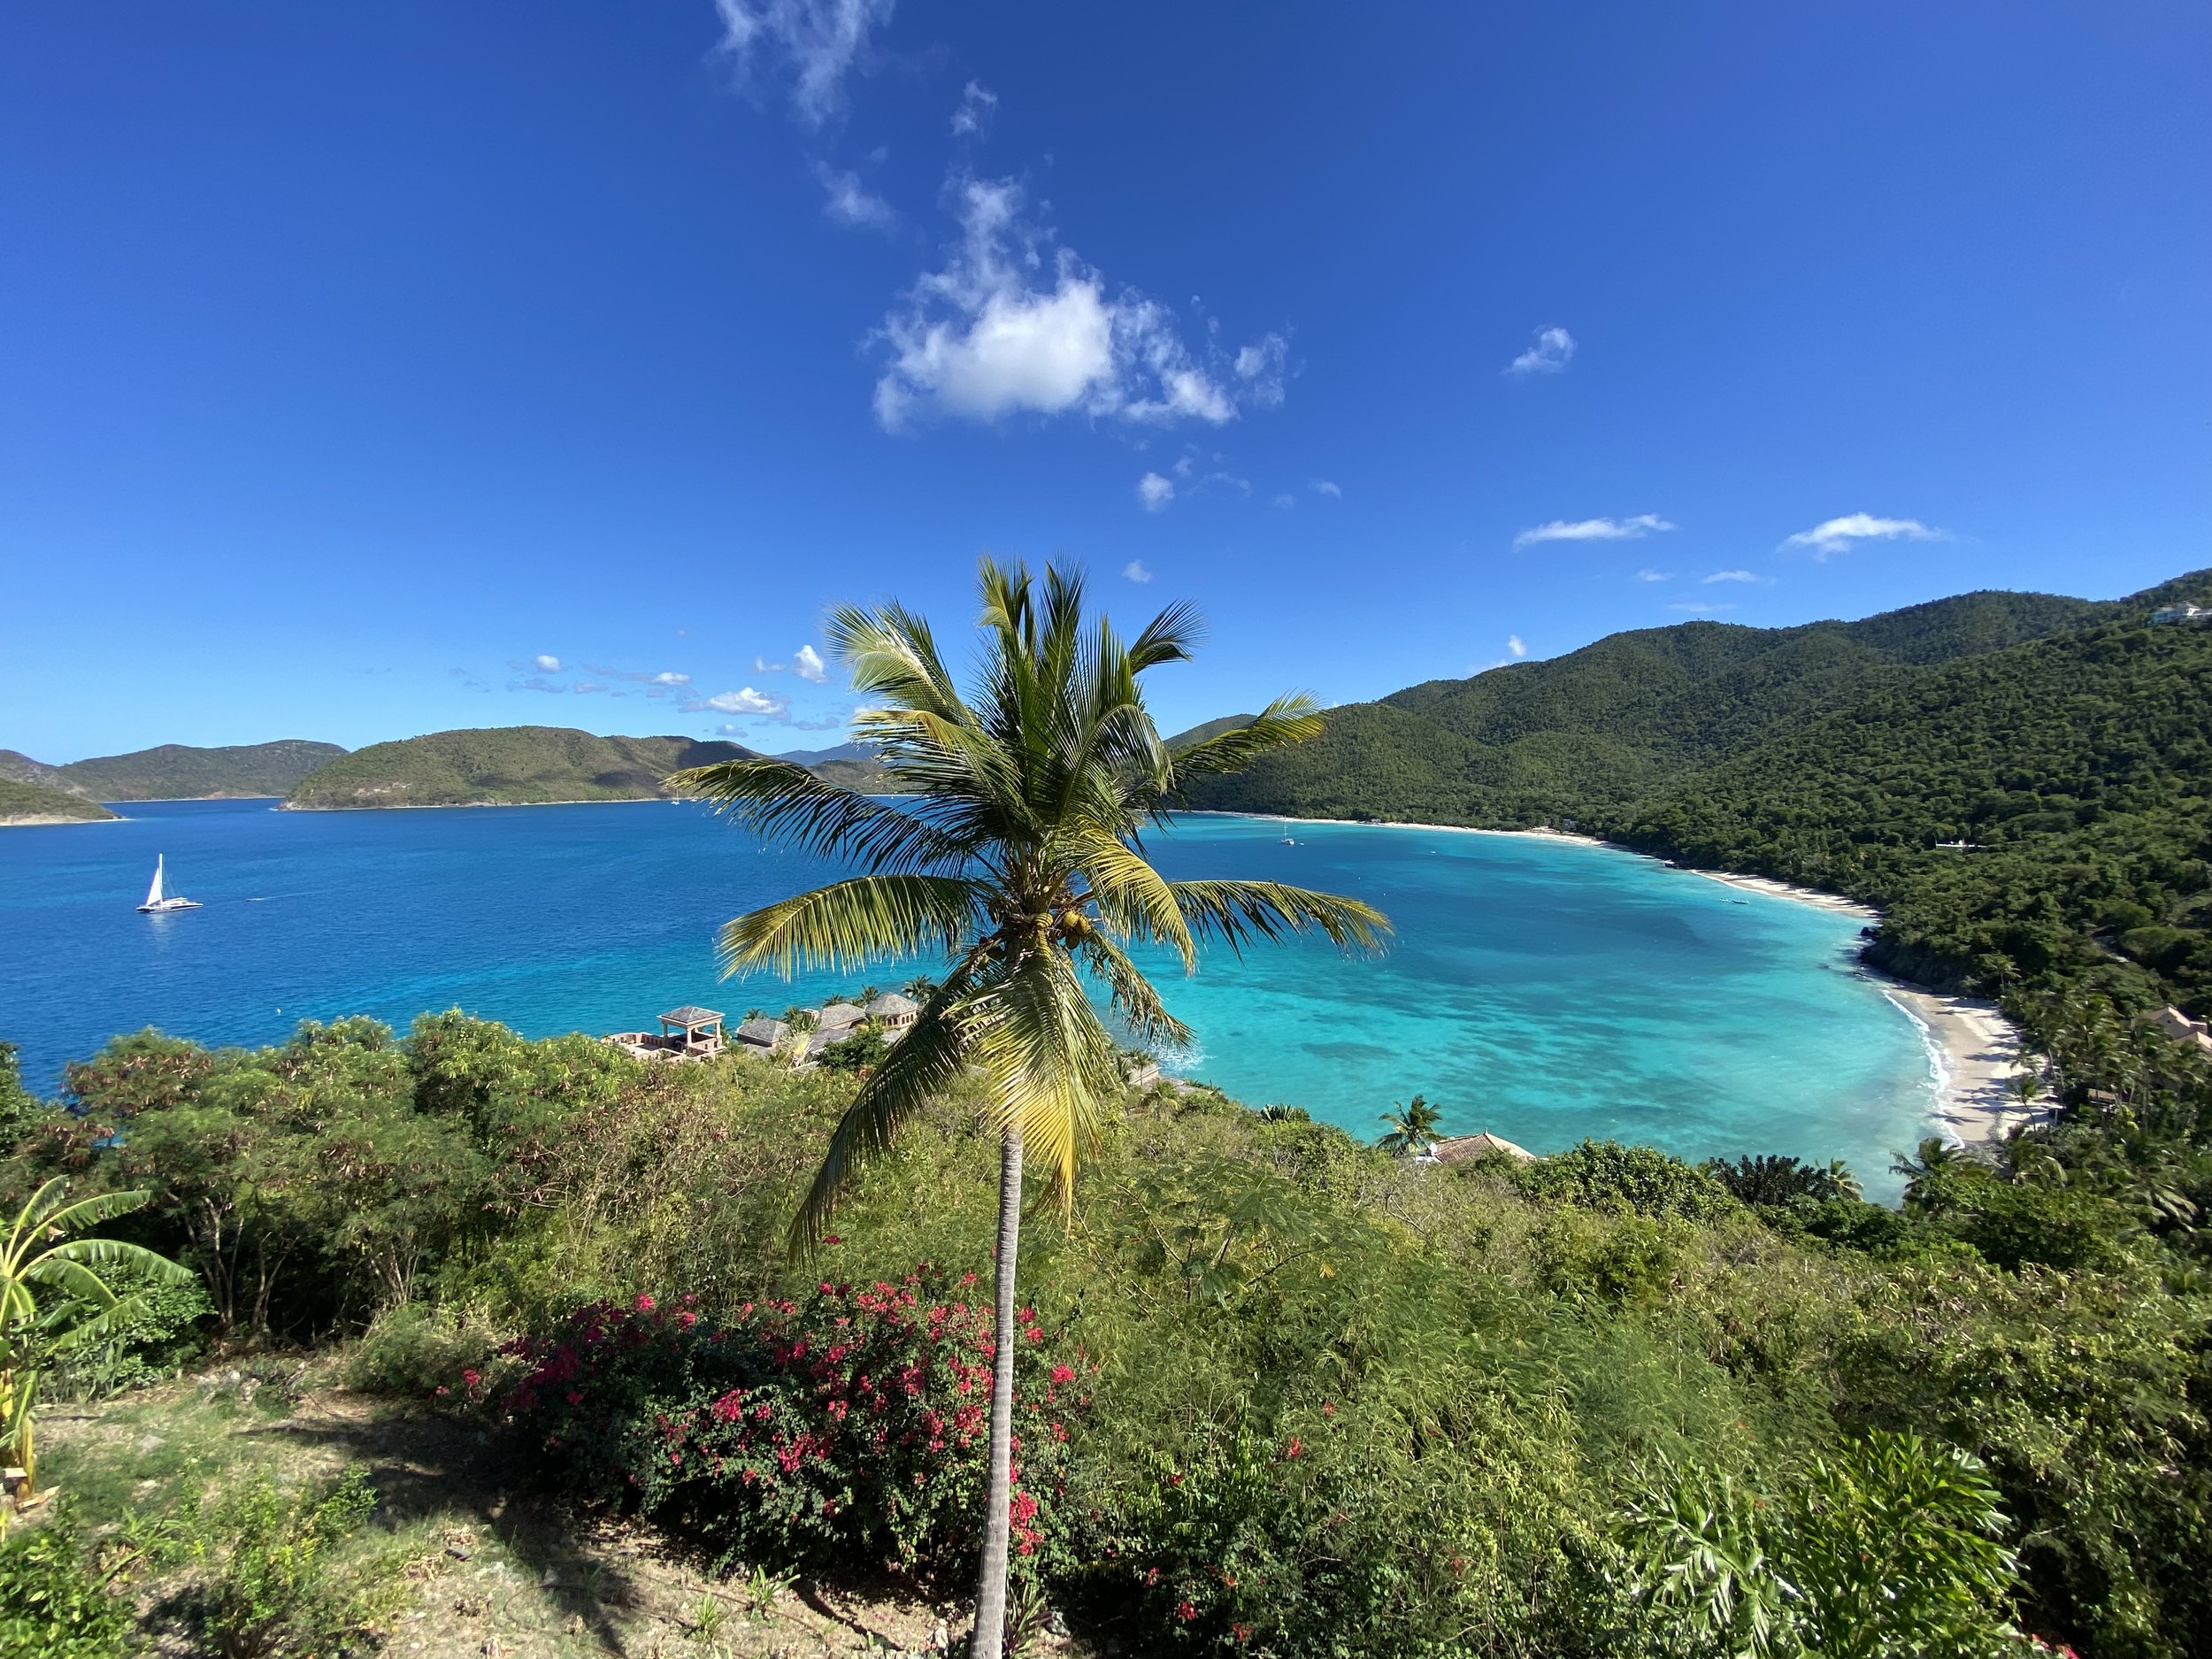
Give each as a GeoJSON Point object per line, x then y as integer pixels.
{"type": "Point", "coordinates": [83, 1308]}
{"type": "Point", "coordinates": [1842, 1182]}
{"type": "Point", "coordinates": [920, 988]}
{"type": "Point", "coordinates": [1018, 853]}
{"type": "Point", "coordinates": [1413, 1124]}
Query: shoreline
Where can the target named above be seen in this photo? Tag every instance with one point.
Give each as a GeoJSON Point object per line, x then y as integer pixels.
{"type": "Point", "coordinates": [1973, 1050]}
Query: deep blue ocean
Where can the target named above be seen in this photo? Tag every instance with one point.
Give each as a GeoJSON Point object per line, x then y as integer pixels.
{"type": "Point", "coordinates": [1546, 990]}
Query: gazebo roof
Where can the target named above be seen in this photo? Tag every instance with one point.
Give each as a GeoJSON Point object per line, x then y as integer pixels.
{"type": "Point", "coordinates": [834, 1015]}
{"type": "Point", "coordinates": [690, 1015]}
{"type": "Point", "coordinates": [891, 1004]}
{"type": "Point", "coordinates": [767, 1032]}
{"type": "Point", "coordinates": [1452, 1148]}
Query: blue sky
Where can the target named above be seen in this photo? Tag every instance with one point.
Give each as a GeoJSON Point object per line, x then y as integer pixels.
{"type": "Point", "coordinates": [355, 358]}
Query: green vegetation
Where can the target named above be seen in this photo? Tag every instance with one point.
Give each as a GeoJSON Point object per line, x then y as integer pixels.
{"type": "Point", "coordinates": [2065, 738]}
{"type": "Point", "coordinates": [177, 771]}
{"type": "Point", "coordinates": [505, 765]}
{"type": "Point", "coordinates": [1023, 866]}
{"type": "Point", "coordinates": [29, 803]}
{"type": "Point", "coordinates": [1318, 1400]}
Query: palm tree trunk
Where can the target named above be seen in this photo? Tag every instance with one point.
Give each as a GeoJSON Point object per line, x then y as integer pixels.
{"type": "Point", "coordinates": [990, 1597]}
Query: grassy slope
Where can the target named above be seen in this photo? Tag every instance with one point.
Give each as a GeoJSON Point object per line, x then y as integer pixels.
{"type": "Point", "coordinates": [25, 801]}
{"type": "Point", "coordinates": [179, 771]}
{"type": "Point", "coordinates": [515, 764]}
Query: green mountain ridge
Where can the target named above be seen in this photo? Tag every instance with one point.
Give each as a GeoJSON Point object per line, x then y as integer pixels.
{"type": "Point", "coordinates": [2062, 734]}
{"type": "Point", "coordinates": [514, 765]}
{"type": "Point", "coordinates": [178, 771]}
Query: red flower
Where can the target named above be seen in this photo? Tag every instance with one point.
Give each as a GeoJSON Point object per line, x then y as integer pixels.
{"type": "Point", "coordinates": [1296, 1445]}
{"type": "Point", "coordinates": [644, 1302]}
{"type": "Point", "coordinates": [1063, 1374]}
{"type": "Point", "coordinates": [1185, 1611]}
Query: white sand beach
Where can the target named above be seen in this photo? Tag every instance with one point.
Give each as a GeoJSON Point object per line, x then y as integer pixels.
{"type": "Point", "coordinates": [1785, 890]}
{"type": "Point", "coordinates": [1978, 1054]}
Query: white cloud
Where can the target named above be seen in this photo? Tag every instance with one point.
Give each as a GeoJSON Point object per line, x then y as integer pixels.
{"type": "Point", "coordinates": [1734, 576]}
{"type": "Point", "coordinates": [1550, 354]}
{"type": "Point", "coordinates": [1156, 492]}
{"type": "Point", "coordinates": [1323, 487]}
{"type": "Point", "coordinates": [851, 203]}
{"type": "Point", "coordinates": [546, 664]}
{"type": "Point", "coordinates": [1651, 575]}
{"type": "Point", "coordinates": [1014, 325]}
{"type": "Point", "coordinates": [808, 664]}
{"type": "Point", "coordinates": [1836, 534]}
{"type": "Point", "coordinates": [742, 702]}
{"type": "Point", "coordinates": [585, 687]}
{"type": "Point", "coordinates": [978, 104]}
{"type": "Point", "coordinates": [1136, 570]}
{"type": "Point", "coordinates": [1517, 645]}
{"type": "Point", "coordinates": [820, 40]}
{"type": "Point", "coordinates": [762, 665]}
{"type": "Point", "coordinates": [1700, 610]}
{"type": "Point", "coordinates": [1593, 530]}
{"type": "Point", "coordinates": [1285, 502]}
{"type": "Point", "coordinates": [656, 685]}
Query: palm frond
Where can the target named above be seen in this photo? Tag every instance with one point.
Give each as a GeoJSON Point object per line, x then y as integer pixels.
{"type": "Point", "coordinates": [103, 1253]}
{"type": "Point", "coordinates": [1134, 999]}
{"type": "Point", "coordinates": [853, 923]}
{"type": "Point", "coordinates": [1240, 912]}
{"type": "Point", "coordinates": [890, 653]}
{"type": "Point", "coordinates": [1289, 719]}
{"type": "Point", "coordinates": [1049, 1064]}
{"type": "Point", "coordinates": [87, 1212]}
{"type": "Point", "coordinates": [922, 1064]}
{"type": "Point", "coordinates": [780, 800]}
{"type": "Point", "coordinates": [1134, 898]}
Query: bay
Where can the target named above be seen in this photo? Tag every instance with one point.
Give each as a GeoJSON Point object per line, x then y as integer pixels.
{"type": "Point", "coordinates": [1540, 989]}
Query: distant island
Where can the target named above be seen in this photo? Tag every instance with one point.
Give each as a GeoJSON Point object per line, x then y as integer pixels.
{"type": "Point", "coordinates": [28, 803]}
{"type": "Point", "coordinates": [176, 771]}
{"type": "Point", "coordinates": [508, 765]}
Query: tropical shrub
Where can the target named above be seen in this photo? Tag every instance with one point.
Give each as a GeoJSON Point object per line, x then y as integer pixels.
{"type": "Point", "coordinates": [1888, 1546]}
{"type": "Point", "coordinates": [52, 1603]}
{"type": "Point", "coordinates": [271, 1589]}
{"type": "Point", "coordinates": [848, 1426]}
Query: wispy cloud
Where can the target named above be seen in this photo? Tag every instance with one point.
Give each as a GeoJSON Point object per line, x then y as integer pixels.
{"type": "Point", "coordinates": [1014, 324]}
{"type": "Point", "coordinates": [762, 665]}
{"type": "Point", "coordinates": [978, 104]}
{"type": "Point", "coordinates": [1649, 575]}
{"type": "Point", "coordinates": [1285, 502]}
{"type": "Point", "coordinates": [660, 684]}
{"type": "Point", "coordinates": [1517, 645]}
{"type": "Point", "coordinates": [1324, 487]}
{"type": "Point", "coordinates": [1701, 608]}
{"type": "Point", "coordinates": [815, 42]}
{"type": "Point", "coordinates": [848, 201]}
{"type": "Point", "coordinates": [585, 687]}
{"type": "Point", "coordinates": [1734, 576]}
{"type": "Point", "coordinates": [807, 663]}
{"type": "Point", "coordinates": [1154, 492]}
{"type": "Point", "coordinates": [1836, 535]}
{"type": "Point", "coordinates": [1136, 570]}
{"type": "Point", "coordinates": [746, 701]}
{"type": "Point", "coordinates": [1550, 353]}
{"type": "Point", "coordinates": [1593, 530]}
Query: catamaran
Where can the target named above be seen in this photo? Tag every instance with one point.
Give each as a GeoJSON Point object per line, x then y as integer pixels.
{"type": "Point", "coordinates": [157, 901]}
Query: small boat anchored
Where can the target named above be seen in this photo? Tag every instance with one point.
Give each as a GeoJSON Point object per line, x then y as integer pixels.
{"type": "Point", "coordinates": [158, 901]}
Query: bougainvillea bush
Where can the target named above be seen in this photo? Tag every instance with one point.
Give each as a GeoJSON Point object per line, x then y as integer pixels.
{"type": "Point", "coordinates": [851, 1425]}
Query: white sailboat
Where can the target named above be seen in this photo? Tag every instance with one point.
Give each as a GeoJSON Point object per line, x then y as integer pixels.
{"type": "Point", "coordinates": [157, 901]}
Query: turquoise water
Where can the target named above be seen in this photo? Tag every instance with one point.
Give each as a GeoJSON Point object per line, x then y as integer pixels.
{"type": "Point", "coordinates": [1543, 989]}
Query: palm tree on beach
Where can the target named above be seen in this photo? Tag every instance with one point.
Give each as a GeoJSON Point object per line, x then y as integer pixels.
{"type": "Point", "coordinates": [1413, 1124]}
{"type": "Point", "coordinates": [1017, 853]}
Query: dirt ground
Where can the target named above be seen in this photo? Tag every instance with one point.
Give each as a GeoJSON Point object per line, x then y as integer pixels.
{"type": "Point", "coordinates": [474, 1567]}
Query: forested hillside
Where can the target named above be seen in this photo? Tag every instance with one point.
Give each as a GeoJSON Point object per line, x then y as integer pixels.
{"type": "Point", "coordinates": [506, 766]}
{"type": "Point", "coordinates": [177, 771]}
{"type": "Point", "coordinates": [2065, 737]}
{"type": "Point", "coordinates": [29, 803]}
